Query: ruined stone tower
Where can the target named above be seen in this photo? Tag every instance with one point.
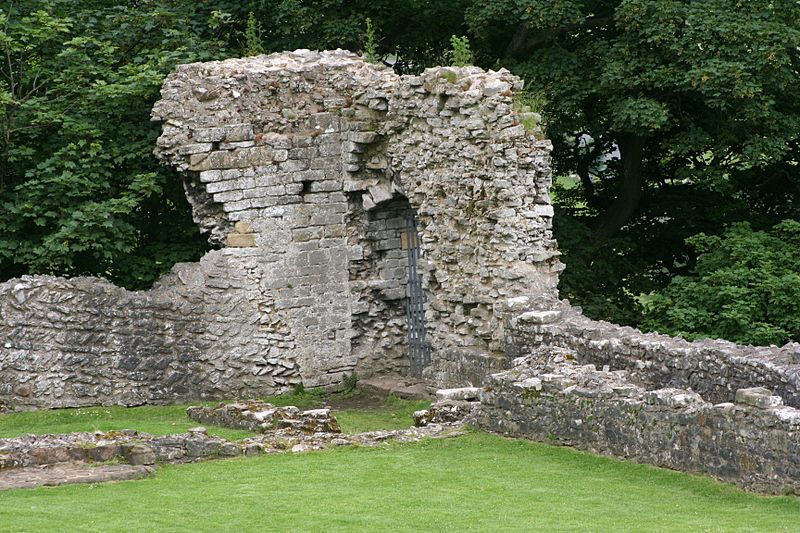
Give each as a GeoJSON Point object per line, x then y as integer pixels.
{"type": "Point", "coordinates": [314, 173]}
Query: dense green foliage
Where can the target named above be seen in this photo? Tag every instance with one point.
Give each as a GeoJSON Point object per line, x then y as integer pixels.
{"type": "Point", "coordinates": [80, 191]}
{"type": "Point", "coordinates": [478, 482]}
{"type": "Point", "coordinates": [745, 287]}
{"type": "Point", "coordinates": [678, 118]}
{"type": "Point", "coordinates": [414, 33]}
{"type": "Point", "coordinates": [460, 54]}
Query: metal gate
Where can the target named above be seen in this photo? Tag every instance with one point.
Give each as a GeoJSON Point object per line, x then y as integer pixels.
{"type": "Point", "coordinates": [419, 350]}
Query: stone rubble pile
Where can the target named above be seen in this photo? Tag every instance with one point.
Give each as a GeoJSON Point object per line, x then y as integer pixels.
{"type": "Point", "coordinates": [255, 415]}
{"type": "Point", "coordinates": [452, 406]}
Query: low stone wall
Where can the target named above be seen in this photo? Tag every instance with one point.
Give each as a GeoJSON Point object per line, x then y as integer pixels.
{"type": "Point", "coordinates": [126, 445]}
{"type": "Point", "coordinates": [754, 442]}
{"type": "Point", "coordinates": [145, 449]}
{"type": "Point", "coordinates": [84, 341]}
{"type": "Point", "coordinates": [255, 415]}
{"type": "Point", "coordinates": [715, 369]}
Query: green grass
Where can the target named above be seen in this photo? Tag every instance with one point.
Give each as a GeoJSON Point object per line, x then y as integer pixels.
{"type": "Point", "coordinates": [157, 420]}
{"type": "Point", "coordinates": [394, 413]}
{"type": "Point", "coordinates": [478, 482]}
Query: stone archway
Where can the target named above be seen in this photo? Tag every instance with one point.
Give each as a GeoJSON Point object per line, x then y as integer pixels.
{"type": "Point", "coordinates": [379, 285]}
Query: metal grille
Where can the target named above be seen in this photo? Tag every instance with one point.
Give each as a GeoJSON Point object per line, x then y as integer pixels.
{"type": "Point", "coordinates": [419, 350]}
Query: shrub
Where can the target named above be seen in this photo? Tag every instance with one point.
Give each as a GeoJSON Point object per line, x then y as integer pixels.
{"type": "Point", "coordinates": [371, 43]}
{"type": "Point", "coordinates": [745, 288]}
{"type": "Point", "coordinates": [460, 54]}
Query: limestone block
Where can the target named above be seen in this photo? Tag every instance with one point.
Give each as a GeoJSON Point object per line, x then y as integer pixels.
{"type": "Point", "coordinates": [380, 192]}
{"type": "Point", "coordinates": [225, 159]}
{"type": "Point", "coordinates": [530, 383]}
{"type": "Point", "coordinates": [758, 397]}
{"type": "Point", "coordinates": [237, 144]}
{"type": "Point", "coordinates": [196, 148]}
{"type": "Point", "coordinates": [208, 176]}
{"type": "Point", "coordinates": [362, 137]}
{"type": "Point", "coordinates": [243, 226]}
{"type": "Point", "coordinates": [230, 133]}
{"type": "Point", "coordinates": [463, 393]}
{"type": "Point", "coordinates": [241, 240]}
{"type": "Point", "coordinates": [539, 317]}
{"type": "Point", "coordinates": [138, 454]}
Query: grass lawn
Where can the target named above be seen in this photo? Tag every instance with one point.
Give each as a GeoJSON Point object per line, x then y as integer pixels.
{"type": "Point", "coordinates": [478, 482]}
{"type": "Point", "coordinates": [393, 413]}
{"type": "Point", "coordinates": [158, 420]}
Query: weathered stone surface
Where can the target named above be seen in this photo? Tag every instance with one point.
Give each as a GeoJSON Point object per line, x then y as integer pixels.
{"type": "Point", "coordinates": [551, 397]}
{"type": "Point", "coordinates": [463, 393]}
{"type": "Point", "coordinates": [322, 154]}
{"type": "Point", "coordinates": [715, 369]}
{"type": "Point", "coordinates": [138, 454]}
{"type": "Point", "coordinates": [448, 412]}
{"type": "Point", "coordinates": [239, 240]}
{"type": "Point", "coordinates": [70, 473]}
{"type": "Point", "coordinates": [256, 415]}
{"type": "Point", "coordinates": [758, 397]}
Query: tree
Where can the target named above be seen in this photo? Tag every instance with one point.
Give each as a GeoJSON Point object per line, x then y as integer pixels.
{"type": "Point", "coordinates": [80, 191]}
{"type": "Point", "coordinates": [661, 107]}
{"type": "Point", "coordinates": [413, 34]}
{"type": "Point", "coordinates": [745, 287]}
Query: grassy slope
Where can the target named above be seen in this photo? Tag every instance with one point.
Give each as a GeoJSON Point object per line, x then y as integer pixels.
{"type": "Point", "coordinates": [474, 483]}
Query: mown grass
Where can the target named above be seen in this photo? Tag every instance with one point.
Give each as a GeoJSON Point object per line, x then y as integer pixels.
{"type": "Point", "coordinates": [478, 482]}
{"type": "Point", "coordinates": [157, 420]}
{"type": "Point", "coordinates": [393, 413]}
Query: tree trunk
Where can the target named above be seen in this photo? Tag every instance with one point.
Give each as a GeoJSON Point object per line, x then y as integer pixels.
{"type": "Point", "coordinates": [631, 149]}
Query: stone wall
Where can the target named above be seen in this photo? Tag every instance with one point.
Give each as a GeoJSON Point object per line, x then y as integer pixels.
{"type": "Point", "coordinates": [480, 184]}
{"type": "Point", "coordinates": [83, 341]}
{"type": "Point", "coordinates": [301, 166]}
{"type": "Point", "coordinates": [356, 145]}
{"type": "Point", "coordinates": [715, 369]}
{"type": "Point", "coordinates": [378, 280]}
{"type": "Point", "coordinates": [754, 442]}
